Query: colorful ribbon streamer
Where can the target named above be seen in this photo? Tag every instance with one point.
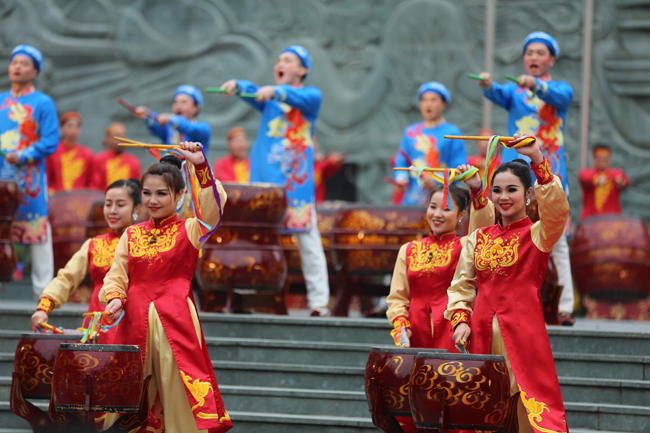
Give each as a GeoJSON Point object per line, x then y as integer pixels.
{"type": "Point", "coordinates": [448, 177]}
{"type": "Point", "coordinates": [492, 158]}
{"type": "Point", "coordinates": [95, 326]}
{"type": "Point", "coordinates": [194, 187]}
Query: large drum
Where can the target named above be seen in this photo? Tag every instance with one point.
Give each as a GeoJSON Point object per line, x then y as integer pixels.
{"type": "Point", "coordinates": [368, 238]}
{"type": "Point", "coordinates": [8, 206]}
{"type": "Point", "coordinates": [388, 373]}
{"type": "Point", "coordinates": [245, 251]}
{"type": "Point", "coordinates": [610, 258]}
{"type": "Point", "coordinates": [110, 373]}
{"type": "Point", "coordinates": [460, 391]}
{"type": "Point", "coordinates": [35, 356]}
{"type": "Point", "coordinates": [326, 216]}
{"type": "Point", "coordinates": [68, 214]}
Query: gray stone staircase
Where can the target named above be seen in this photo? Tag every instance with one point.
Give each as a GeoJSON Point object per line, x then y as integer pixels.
{"type": "Point", "coordinates": [291, 374]}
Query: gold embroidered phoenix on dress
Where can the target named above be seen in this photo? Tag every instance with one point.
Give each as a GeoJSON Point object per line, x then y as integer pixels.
{"type": "Point", "coordinates": [428, 256]}
{"type": "Point", "coordinates": [149, 243]}
{"type": "Point", "coordinates": [103, 252]}
{"type": "Point", "coordinates": [494, 254]}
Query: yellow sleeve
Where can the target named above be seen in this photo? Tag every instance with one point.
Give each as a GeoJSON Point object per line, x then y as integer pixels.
{"type": "Point", "coordinates": [67, 280]}
{"type": "Point", "coordinates": [480, 216]}
{"type": "Point", "coordinates": [399, 298]}
{"type": "Point", "coordinates": [209, 208]}
{"type": "Point", "coordinates": [553, 208]}
{"type": "Point", "coordinates": [116, 282]}
{"type": "Point", "coordinates": [462, 291]}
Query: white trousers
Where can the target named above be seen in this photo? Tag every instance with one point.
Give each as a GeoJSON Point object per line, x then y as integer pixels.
{"type": "Point", "coordinates": [42, 263]}
{"type": "Point", "coordinates": [314, 267]}
{"type": "Point", "coordinates": [560, 256]}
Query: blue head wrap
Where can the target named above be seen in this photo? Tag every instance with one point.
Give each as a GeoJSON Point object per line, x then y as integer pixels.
{"type": "Point", "coordinates": [543, 38]}
{"type": "Point", "coordinates": [192, 92]}
{"type": "Point", "coordinates": [31, 52]}
{"type": "Point", "coordinates": [435, 87]}
{"type": "Point", "coordinates": [302, 54]}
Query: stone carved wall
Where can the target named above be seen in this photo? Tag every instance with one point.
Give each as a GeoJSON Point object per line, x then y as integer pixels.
{"type": "Point", "coordinates": [370, 56]}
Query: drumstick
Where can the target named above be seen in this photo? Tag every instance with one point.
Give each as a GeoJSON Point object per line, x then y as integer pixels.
{"type": "Point", "coordinates": [149, 146]}
{"type": "Point", "coordinates": [511, 78]}
{"type": "Point", "coordinates": [411, 168]}
{"type": "Point", "coordinates": [476, 137]}
{"type": "Point", "coordinates": [241, 94]}
{"type": "Point", "coordinates": [105, 313]}
{"type": "Point", "coordinates": [51, 328]}
{"type": "Point", "coordinates": [131, 108]}
{"type": "Point", "coordinates": [476, 77]}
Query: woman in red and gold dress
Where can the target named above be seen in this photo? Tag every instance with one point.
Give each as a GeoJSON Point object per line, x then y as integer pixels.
{"type": "Point", "coordinates": [497, 283]}
{"type": "Point", "coordinates": [425, 268]}
{"type": "Point", "coordinates": [151, 280]}
{"type": "Point", "coordinates": [121, 207]}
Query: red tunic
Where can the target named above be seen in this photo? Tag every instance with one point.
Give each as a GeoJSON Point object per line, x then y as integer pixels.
{"type": "Point", "coordinates": [323, 170]}
{"type": "Point", "coordinates": [431, 263]}
{"type": "Point", "coordinates": [601, 197]}
{"type": "Point", "coordinates": [109, 167]}
{"type": "Point", "coordinates": [228, 169]}
{"type": "Point", "coordinates": [162, 272]}
{"type": "Point", "coordinates": [69, 168]}
{"type": "Point", "coordinates": [101, 252]}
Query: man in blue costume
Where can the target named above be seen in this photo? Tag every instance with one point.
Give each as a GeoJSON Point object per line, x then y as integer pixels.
{"type": "Point", "coordinates": [29, 133]}
{"type": "Point", "coordinates": [538, 105]}
{"type": "Point", "coordinates": [182, 124]}
{"type": "Point", "coordinates": [424, 144]}
{"type": "Point", "coordinates": [283, 154]}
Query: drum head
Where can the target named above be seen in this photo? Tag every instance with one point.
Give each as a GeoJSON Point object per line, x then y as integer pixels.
{"type": "Point", "coordinates": [99, 347]}
{"type": "Point", "coordinates": [458, 357]}
{"type": "Point", "coordinates": [69, 335]}
{"type": "Point", "coordinates": [405, 351]}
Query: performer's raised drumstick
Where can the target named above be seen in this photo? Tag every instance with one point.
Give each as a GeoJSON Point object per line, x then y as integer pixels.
{"type": "Point", "coordinates": [476, 77]}
{"type": "Point", "coordinates": [476, 137]}
{"type": "Point", "coordinates": [411, 168]}
{"type": "Point", "coordinates": [125, 142]}
{"type": "Point", "coordinates": [511, 78]}
{"type": "Point", "coordinates": [131, 108]}
{"type": "Point", "coordinates": [219, 90]}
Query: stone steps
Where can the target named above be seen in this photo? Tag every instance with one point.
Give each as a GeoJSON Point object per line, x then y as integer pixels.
{"type": "Point", "coordinates": [298, 374]}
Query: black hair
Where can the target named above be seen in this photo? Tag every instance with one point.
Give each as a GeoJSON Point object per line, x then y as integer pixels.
{"type": "Point", "coordinates": [132, 185]}
{"type": "Point", "coordinates": [601, 146]}
{"type": "Point", "coordinates": [169, 168]}
{"type": "Point", "coordinates": [460, 196]}
{"type": "Point", "coordinates": [519, 168]}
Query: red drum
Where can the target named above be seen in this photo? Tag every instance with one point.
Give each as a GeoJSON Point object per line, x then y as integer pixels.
{"type": "Point", "coordinates": [368, 238]}
{"type": "Point", "coordinates": [469, 392]}
{"type": "Point", "coordinates": [245, 251]}
{"type": "Point", "coordinates": [388, 372]}
{"type": "Point", "coordinates": [34, 361]}
{"type": "Point", "coordinates": [68, 214]}
{"type": "Point", "coordinates": [326, 221]}
{"type": "Point", "coordinates": [110, 373]}
{"type": "Point", "coordinates": [8, 207]}
{"type": "Point", "coordinates": [610, 258]}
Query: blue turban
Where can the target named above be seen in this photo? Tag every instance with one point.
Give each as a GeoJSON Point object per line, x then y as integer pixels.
{"type": "Point", "coordinates": [435, 87]}
{"type": "Point", "coordinates": [192, 92]}
{"type": "Point", "coordinates": [543, 38]}
{"type": "Point", "coordinates": [31, 52]}
{"type": "Point", "coordinates": [302, 54]}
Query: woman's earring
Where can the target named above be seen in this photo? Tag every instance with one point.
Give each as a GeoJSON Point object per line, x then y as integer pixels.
{"type": "Point", "coordinates": [527, 202]}
{"type": "Point", "coordinates": [460, 221]}
{"type": "Point", "coordinates": [135, 216]}
{"type": "Point", "coordinates": [178, 205]}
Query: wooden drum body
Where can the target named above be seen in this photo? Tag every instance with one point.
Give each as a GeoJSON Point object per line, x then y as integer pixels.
{"type": "Point", "coordinates": [35, 356]}
{"type": "Point", "coordinates": [388, 373]}
{"type": "Point", "coordinates": [68, 214]}
{"type": "Point", "coordinates": [367, 239]}
{"type": "Point", "coordinates": [460, 391]}
{"type": "Point", "coordinates": [245, 251]}
{"type": "Point", "coordinates": [110, 373]}
{"type": "Point", "coordinates": [9, 197]}
{"type": "Point", "coordinates": [610, 258]}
